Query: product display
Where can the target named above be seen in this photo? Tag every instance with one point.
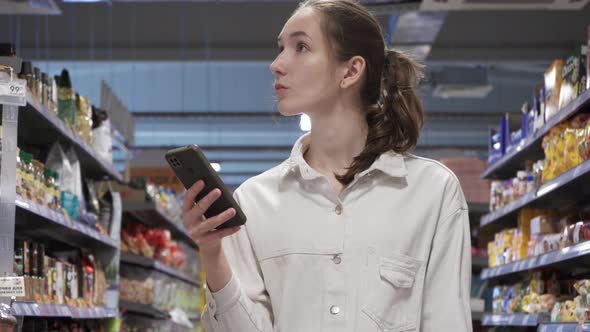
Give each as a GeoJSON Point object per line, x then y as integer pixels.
{"type": "Point", "coordinates": [152, 243]}
{"type": "Point", "coordinates": [149, 287]}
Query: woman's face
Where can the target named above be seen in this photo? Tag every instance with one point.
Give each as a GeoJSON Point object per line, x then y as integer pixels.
{"type": "Point", "coordinates": [305, 69]}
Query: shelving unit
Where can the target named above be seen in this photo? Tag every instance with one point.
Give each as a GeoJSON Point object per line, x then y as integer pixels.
{"type": "Point", "coordinates": [514, 319]}
{"type": "Point", "coordinates": [530, 149]}
{"type": "Point", "coordinates": [37, 125]}
{"type": "Point", "coordinates": [33, 125]}
{"type": "Point", "coordinates": [52, 310]}
{"type": "Point", "coordinates": [566, 190]}
{"type": "Point", "coordinates": [563, 327]}
{"type": "Point", "coordinates": [150, 215]}
{"type": "Point", "coordinates": [155, 265]}
{"type": "Point", "coordinates": [143, 309]}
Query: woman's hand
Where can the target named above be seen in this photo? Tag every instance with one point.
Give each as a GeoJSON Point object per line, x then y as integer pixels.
{"type": "Point", "coordinates": [202, 229]}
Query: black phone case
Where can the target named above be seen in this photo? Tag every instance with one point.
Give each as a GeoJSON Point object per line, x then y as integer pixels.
{"type": "Point", "coordinates": [190, 165]}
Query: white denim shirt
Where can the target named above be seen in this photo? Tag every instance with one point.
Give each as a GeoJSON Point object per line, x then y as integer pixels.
{"type": "Point", "coordinates": [391, 252]}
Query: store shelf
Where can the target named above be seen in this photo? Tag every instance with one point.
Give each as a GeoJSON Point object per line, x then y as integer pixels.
{"type": "Point", "coordinates": [150, 215]}
{"type": "Point", "coordinates": [565, 190]}
{"type": "Point", "coordinates": [530, 149]}
{"type": "Point", "coordinates": [52, 310]}
{"type": "Point", "coordinates": [577, 251]}
{"type": "Point", "coordinates": [563, 327]}
{"type": "Point", "coordinates": [38, 125]}
{"type": "Point", "coordinates": [143, 309]}
{"type": "Point", "coordinates": [513, 319]}
{"type": "Point", "coordinates": [153, 264]}
{"type": "Point", "coordinates": [40, 220]}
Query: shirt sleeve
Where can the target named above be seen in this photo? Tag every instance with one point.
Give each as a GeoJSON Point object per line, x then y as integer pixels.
{"type": "Point", "coordinates": [446, 305]}
{"type": "Point", "coordinates": [243, 305]}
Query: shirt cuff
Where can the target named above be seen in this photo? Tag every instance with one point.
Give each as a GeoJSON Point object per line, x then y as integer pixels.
{"type": "Point", "coordinates": [223, 300]}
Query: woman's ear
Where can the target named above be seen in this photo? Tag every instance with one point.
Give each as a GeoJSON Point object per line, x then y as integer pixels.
{"type": "Point", "coordinates": [353, 71]}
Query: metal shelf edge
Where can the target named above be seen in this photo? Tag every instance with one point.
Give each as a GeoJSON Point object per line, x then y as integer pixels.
{"type": "Point", "coordinates": [150, 263]}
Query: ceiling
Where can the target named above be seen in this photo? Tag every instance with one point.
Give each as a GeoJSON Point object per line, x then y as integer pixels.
{"type": "Point", "coordinates": [515, 47]}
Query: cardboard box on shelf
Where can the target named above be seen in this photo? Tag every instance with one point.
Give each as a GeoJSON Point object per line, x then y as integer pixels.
{"type": "Point", "coordinates": [573, 76]}
{"type": "Point", "coordinates": [552, 88]}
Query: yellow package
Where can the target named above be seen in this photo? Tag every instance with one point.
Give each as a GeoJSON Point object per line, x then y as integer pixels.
{"type": "Point", "coordinates": [84, 118]}
{"type": "Point", "coordinates": [559, 151]}
{"type": "Point", "coordinates": [549, 170]}
{"type": "Point", "coordinates": [571, 154]}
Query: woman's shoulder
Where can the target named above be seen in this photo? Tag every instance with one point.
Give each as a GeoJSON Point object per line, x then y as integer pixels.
{"type": "Point", "coordinates": [433, 172]}
{"type": "Point", "coordinates": [268, 180]}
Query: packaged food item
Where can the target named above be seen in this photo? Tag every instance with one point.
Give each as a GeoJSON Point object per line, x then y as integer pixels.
{"type": "Point", "coordinates": [38, 83]}
{"type": "Point", "coordinates": [20, 171]}
{"type": "Point", "coordinates": [553, 77]}
{"type": "Point", "coordinates": [84, 118]}
{"type": "Point", "coordinates": [44, 90]}
{"type": "Point", "coordinates": [27, 74]}
{"type": "Point", "coordinates": [572, 76]}
{"type": "Point", "coordinates": [66, 104]}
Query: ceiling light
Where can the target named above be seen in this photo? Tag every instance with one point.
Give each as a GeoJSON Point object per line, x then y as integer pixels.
{"type": "Point", "coordinates": [216, 166]}
{"type": "Point", "coordinates": [305, 123]}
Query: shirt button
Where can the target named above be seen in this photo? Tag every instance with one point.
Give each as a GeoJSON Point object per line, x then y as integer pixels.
{"type": "Point", "coordinates": [211, 305]}
{"type": "Point", "coordinates": [334, 310]}
{"type": "Point", "coordinates": [337, 259]}
{"type": "Point", "coordinates": [338, 209]}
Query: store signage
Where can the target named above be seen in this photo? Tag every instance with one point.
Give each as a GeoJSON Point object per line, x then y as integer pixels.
{"type": "Point", "coordinates": [12, 287]}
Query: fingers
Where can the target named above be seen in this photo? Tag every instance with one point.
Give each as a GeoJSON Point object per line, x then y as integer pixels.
{"type": "Point", "coordinates": [203, 205]}
{"type": "Point", "coordinates": [201, 229]}
{"type": "Point", "coordinates": [191, 194]}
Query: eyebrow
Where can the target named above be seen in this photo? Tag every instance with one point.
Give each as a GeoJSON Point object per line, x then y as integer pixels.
{"type": "Point", "coordinates": [296, 34]}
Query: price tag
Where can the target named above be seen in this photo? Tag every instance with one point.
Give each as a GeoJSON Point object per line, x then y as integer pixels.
{"type": "Point", "coordinates": [544, 259]}
{"type": "Point", "coordinates": [61, 219]}
{"type": "Point", "coordinates": [511, 319]}
{"type": "Point", "coordinates": [35, 309]}
{"type": "Point", "coordinates": [531, 264]}
{"type": "Point", "coordinates": [13, 92]}
{"type": "Point", "coordinates": [559, 328]}
{"type": "Point", "coordinates": [525, 320]}
{"type": "Point", "coordinates": [16, 309]}
{"type": "Point", "coordinates": [27, 310]}
{"type": "Point", "coordinates": [543, 328]}
{"type": "Point", "coordinates": [12, 286]}
{"type": "Point", "coordinates": [44, 211]}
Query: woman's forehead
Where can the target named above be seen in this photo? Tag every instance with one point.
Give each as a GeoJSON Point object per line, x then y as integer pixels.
{"type": "Point", "coordinates": [304, 20]}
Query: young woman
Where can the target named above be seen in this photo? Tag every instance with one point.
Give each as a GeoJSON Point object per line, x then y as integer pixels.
{"type": "Point", "coordinates": [351, 233]}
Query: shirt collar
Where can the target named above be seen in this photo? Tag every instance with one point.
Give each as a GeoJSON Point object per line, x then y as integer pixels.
{"type": "Point", "coordinates": [390, 163]}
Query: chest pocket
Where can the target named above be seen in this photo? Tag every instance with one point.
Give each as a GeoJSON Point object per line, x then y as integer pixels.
{"type": "Point", "coordinates": [395, 293]}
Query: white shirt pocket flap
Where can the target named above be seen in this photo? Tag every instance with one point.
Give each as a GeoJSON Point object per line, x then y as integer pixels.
{"type": "Point", "coordinates": [399, 274]}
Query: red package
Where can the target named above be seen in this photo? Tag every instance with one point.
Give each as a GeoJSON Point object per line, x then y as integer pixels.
{"type": "Point", "coordinates": [177, 255]}
{"type": "Point", "coordinates": [145, 249]}
{"type": "Point", "coordinates": [130, 242]}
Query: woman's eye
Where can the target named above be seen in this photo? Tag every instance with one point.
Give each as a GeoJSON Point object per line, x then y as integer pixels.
{"type": "Point", "coordinates": [301, 47]}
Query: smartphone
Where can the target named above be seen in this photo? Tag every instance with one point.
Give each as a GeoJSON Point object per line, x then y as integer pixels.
{"type": "Point", "coordinates": [190, 165]}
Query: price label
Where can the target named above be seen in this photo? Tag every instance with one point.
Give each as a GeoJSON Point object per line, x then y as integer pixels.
{"type": "Point", "coordinates": [511, 319]}
{"type": "Point", "coordinates": [16, 309]}
{"type": "Point", "coordinates": [543, 259]}
{"type": "Point", "coordinates": [526, 319]}
{"type": "Point", "coordinates": [12, 287]}
{"type": "Point", "coordinates": [559, 328]}
{"type": "Point", "coordinates": [36, 311]}
{"type": "Point", "coordinates": [27, 310]}
{"type": "Point", "coordinates": [13, 92]}
{"type": "Point", "coordinates": [543, 328]}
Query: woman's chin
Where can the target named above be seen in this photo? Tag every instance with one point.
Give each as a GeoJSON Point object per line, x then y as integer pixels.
{"type": "Point", "coordinates": [285, 110]}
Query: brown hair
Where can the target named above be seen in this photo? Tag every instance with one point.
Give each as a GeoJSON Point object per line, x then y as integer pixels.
{"type": "Point", "coordinates": [394, 111]}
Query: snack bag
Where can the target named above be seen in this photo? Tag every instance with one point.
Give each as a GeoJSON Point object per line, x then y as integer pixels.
{"type": "Point", "coordinates": [571, 153]}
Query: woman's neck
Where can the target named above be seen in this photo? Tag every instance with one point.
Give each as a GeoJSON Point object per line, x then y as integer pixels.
{"type": "Point", "coordinates": [337, 136]}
